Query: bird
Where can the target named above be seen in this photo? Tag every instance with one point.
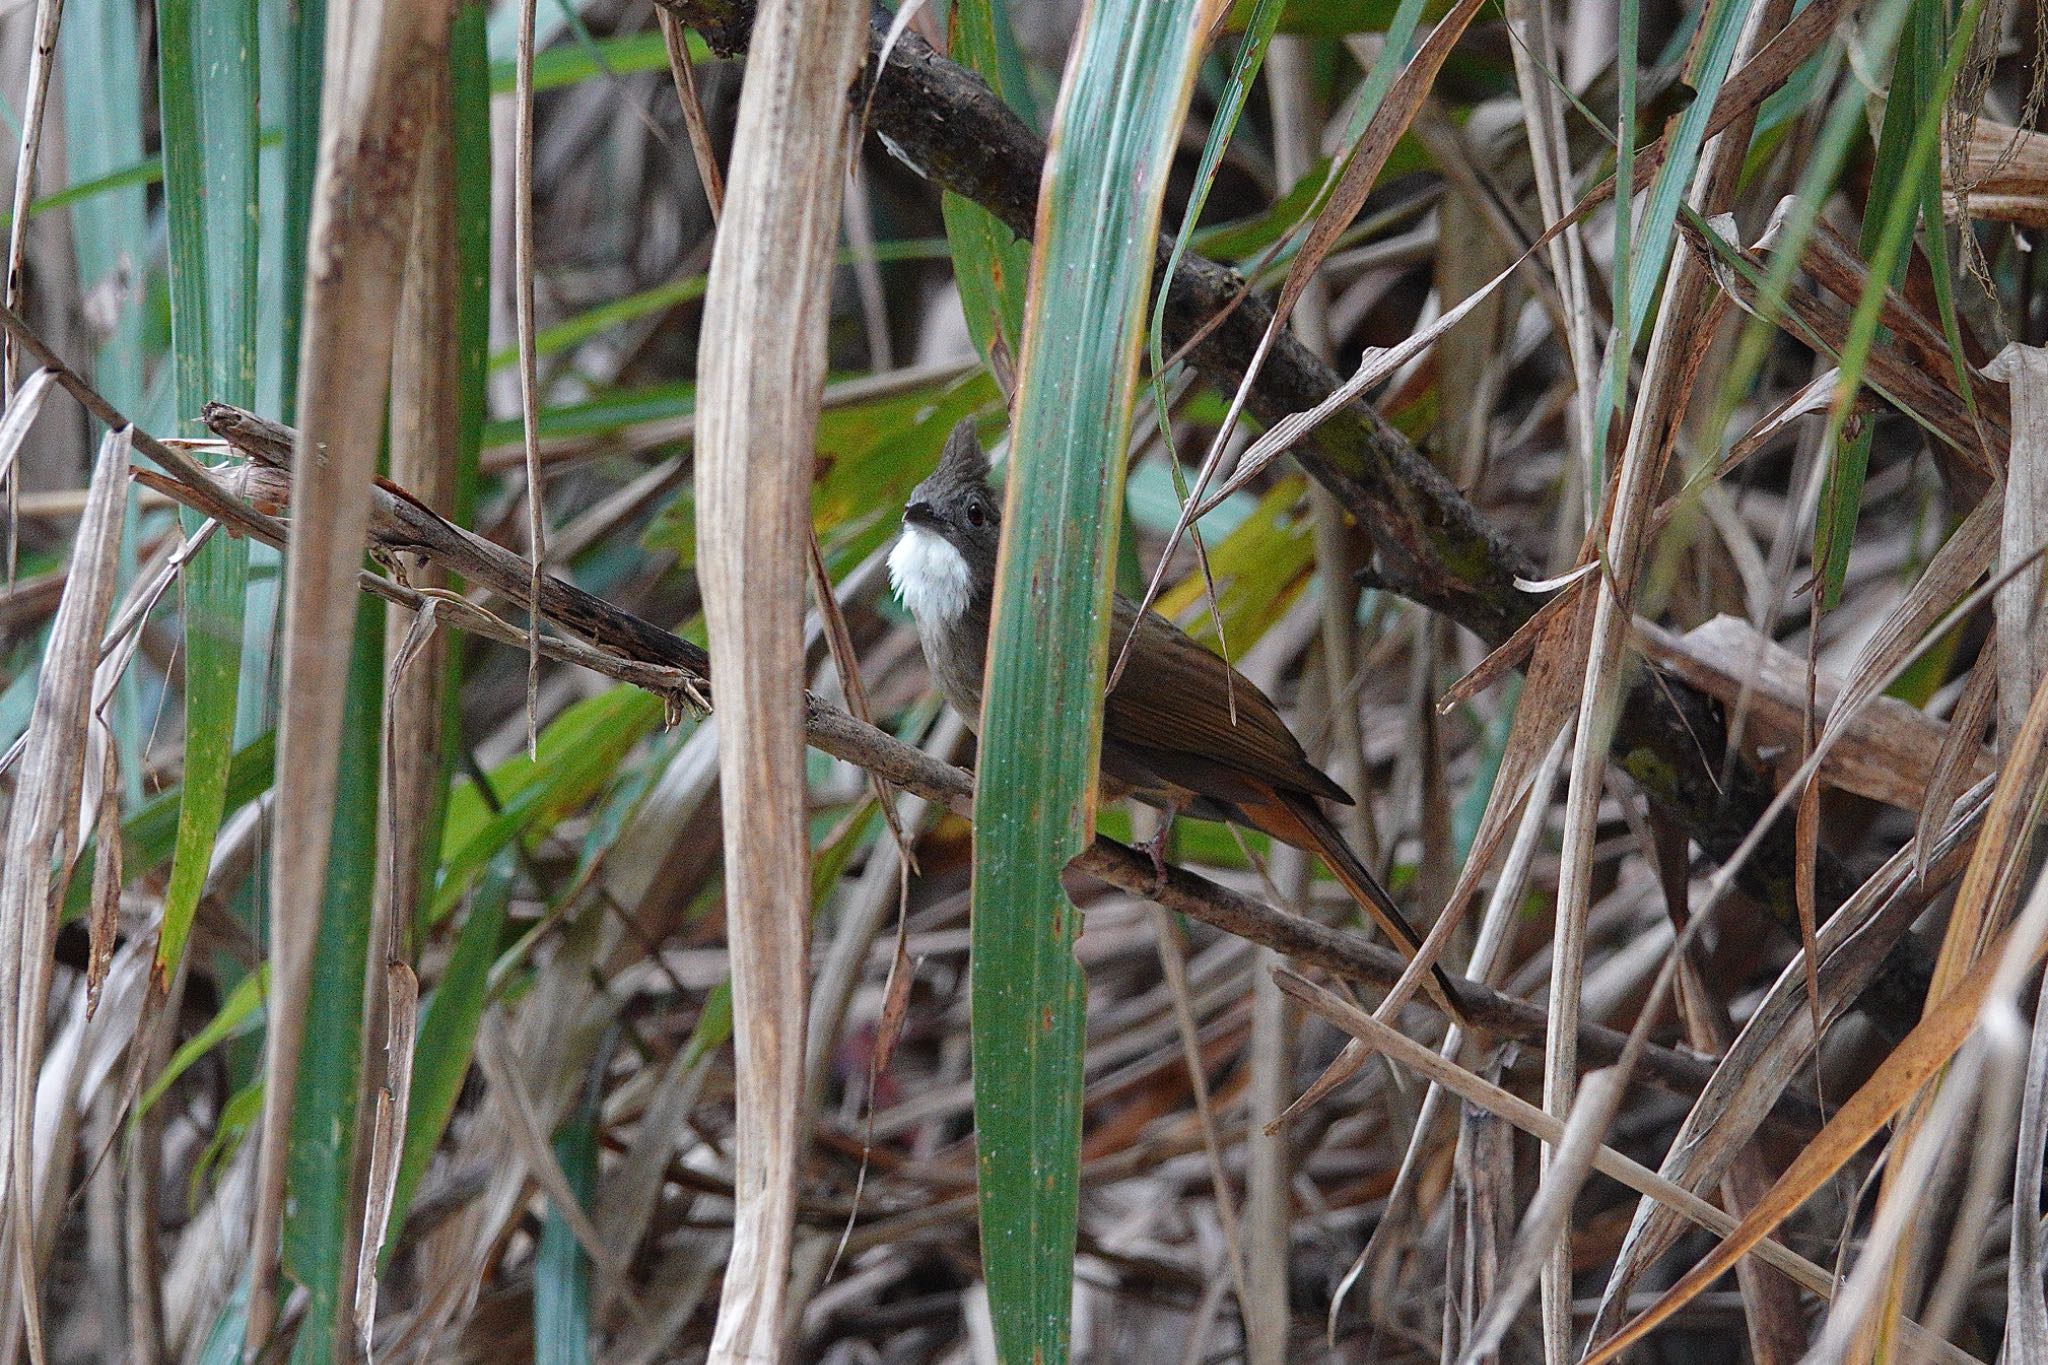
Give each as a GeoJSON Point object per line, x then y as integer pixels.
{"type": "Point", "coordinates": [1182, 730]}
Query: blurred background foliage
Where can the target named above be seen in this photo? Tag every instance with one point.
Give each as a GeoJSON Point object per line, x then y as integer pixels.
{"type": "Point", "coordinates": [568, 940]}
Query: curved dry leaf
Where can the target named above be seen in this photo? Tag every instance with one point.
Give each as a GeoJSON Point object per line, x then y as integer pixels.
{"type": "Point", "coordinates": [22, 408]}
{"type": "Point", "coordinates": [380, 56]}
{"type": "Point", "coordinates": [2003, 176]}
{"type": "Point", "coordinates": [1551, 1130]}
{"type": "Point", "coordinates": [763, 365]}
{"type": "Point", "coordinates": [2026, 1326]}
{"type": "Point", "coordinates": [1897, 1080]}
{"type": "Point", "coordinates": [1775, 1042]}
{"type": "Point", "coordinates": [42, 835]}
{"type": "Point", "coordinates": [2022, 646]}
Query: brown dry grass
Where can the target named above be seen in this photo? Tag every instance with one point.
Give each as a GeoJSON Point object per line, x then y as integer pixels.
{"type": "Point", "coordinates": [1755, 883]}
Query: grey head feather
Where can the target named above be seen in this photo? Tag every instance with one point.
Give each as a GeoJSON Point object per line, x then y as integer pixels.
{"type": "Point", "coordinates": [959, 504]}
{"type": "Point", "coordinates": [962, 461]}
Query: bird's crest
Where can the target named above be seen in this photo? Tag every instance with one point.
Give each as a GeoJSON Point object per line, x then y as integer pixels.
{"type": "Point", "coordinates": [963, 459]}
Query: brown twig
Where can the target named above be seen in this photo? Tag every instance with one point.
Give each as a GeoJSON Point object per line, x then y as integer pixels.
{"type": "Point", "coordinates": [1435, 547]}
{"type": "Point", "coordinates": [623, 646]}
{"type": "Point", "coordinates": [398, 522]}
{"type": "Point", "coordinates": [627, 646]}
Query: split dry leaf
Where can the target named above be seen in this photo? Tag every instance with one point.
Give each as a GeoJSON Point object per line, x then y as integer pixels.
{"type": "Point", "coordinates": [41, 848]}
{"type": "Point", "coordinates": [2022, 645]}
{"type": "Point", "coordinates": [1768, 1053]}
{"type": "Point", "coordinates": [380, 55]}
{"type": "Point", "coordinates": [1901, 1077]}
{"type": "Point", "coordinates": [1550, 1130]}
{"type": "Point", "coordinates": [1960, 751]}
{"type": "Point", "coordinates": [2003, 176]}
{"type": "Point", "coordinates": [763, 368]}
{"type": "Point", "coordinates": [1890, 752]}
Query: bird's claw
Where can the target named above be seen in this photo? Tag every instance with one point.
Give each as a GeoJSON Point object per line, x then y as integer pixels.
{"type": "Point", "coordinates": [1155, 849]}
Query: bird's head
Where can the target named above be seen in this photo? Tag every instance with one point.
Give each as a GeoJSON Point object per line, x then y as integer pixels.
{"type": "Point", "coordinates": [952, 526]}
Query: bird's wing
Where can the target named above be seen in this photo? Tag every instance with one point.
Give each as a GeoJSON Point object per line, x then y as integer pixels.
{"type": "Point", "coordinates": [1172, 704]}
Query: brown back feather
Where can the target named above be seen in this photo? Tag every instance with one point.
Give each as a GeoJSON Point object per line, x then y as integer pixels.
{"type": "Point", "coordinates": [1172, 699]}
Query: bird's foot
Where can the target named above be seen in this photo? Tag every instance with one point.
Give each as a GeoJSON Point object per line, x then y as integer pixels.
{"type": "Point", "coordinates": [1155, 849]}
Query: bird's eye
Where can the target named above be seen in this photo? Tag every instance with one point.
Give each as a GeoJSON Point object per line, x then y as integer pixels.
{"type": "Point", "coordinates": [976, 514]}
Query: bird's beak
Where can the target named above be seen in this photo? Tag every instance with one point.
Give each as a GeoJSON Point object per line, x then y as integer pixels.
{"type": "Point", "coordinates": [918, 512]}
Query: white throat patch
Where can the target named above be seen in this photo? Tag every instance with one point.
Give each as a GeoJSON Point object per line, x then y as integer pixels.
{"type": "Point", "coordinates": [930, 577]}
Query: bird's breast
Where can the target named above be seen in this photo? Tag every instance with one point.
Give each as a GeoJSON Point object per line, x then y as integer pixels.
{"type": "Point", "coordinates": [956, 654]}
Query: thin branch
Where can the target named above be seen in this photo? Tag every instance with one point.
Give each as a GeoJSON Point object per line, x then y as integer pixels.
{"type": "Point", "coordinates": [1435, 547]}
{"type": "Point", "coordinates": [627, 646]}
{"type": "Point", "coordinates": [637, 651]}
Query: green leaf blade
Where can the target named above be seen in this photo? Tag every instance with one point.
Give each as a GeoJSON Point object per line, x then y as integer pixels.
{"type": "Point", "coordinates": [320, 1224]}
{"type": "Point", "coordinates": [991, 264]}
{"type": "Point", "coordinates": [1127, 89]}
{"type": "Point", "coordinates": [1929, 59]}
{"type": "Point", "coordinates": [208, 87]}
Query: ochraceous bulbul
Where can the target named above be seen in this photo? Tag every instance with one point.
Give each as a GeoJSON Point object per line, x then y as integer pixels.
{"type": "Point", "coordinates": [1169, 737]}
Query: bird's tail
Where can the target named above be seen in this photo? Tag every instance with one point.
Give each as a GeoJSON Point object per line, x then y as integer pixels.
{"type": "Point", "coordinates": [1295, 818]}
